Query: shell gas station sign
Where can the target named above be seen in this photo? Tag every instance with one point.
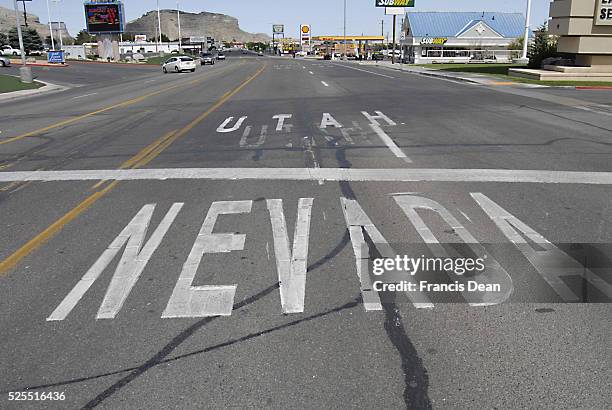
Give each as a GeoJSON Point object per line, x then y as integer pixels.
{"type": "Point", "coordinates": [305, 36]}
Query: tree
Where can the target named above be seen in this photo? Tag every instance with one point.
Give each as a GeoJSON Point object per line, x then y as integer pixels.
{"type": "Point", "coordinates": [3, 39]}
{"type": "Point", "coordinates": [31, 39]}
{"type": "Point", "coordinates": [84, 37]}
{"type": "Point", "coordinates": [164, 38]}
{"type": "Point", "coordinates": [542, 47]}
{"type": "Point", "coordinates": [516, 44]}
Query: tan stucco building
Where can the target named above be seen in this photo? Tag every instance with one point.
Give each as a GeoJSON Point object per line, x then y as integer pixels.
{"type": "Point", "coordinates": [585, 30]}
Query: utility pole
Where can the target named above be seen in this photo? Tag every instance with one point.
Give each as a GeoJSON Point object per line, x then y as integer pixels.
{"type": "Point", "coordinates": [159, 24]}
{"type": "Point", "coordinates": [526, 38]}
{"type": "Point", "coordinates": [59, 26]}
{"type": "Point", "coordinates": [345, 55]}
{"type": "Point", "coordinates": [178, 15]}
{"type": "Point", "coordinates": [25, 14]}
{"type": "Point", "coordinates": [382, 27]}
{"type": "Point", "coordinates": [394, 25]}
{"type": "Point", "coordinates": [50, 26]}
{"type": "Point", "coordinates": [25, 72]}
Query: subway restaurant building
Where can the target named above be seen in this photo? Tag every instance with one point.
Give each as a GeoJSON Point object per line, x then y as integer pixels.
{"type": "Point", "coordinates": [460, 37]}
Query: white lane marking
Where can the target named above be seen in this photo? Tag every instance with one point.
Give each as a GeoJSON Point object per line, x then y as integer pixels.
{"type": "Point", "coordinates": [390, 143]}
{"type": "Point", "coordinates": [359, 69]}
{"type": "Point", "coordinates": [328, 120]}
{"type": "Point", "coordinates": [494, 273]}
{"type": "Point", "coordinates": [133, 261]}
{"type": "Point", "coordinates": [281, 120]}
{"type": "Point", "coordinates": [205, 301]}
{"type": "Point", "coordinates": [83, 96]}
{"type": "Point", "coordinates": [379, 116]}
{"type": "Point", "coordinates": [324, 83]}
{"type": "Point", "coordinates": [224, 124]}
{"type": "Point", "coordinates": [550, 261]}
{"type": "Point", "coordinates": [291, 265]}
{"type": "Point", "coordinates": [312, 174]}
{"type": "Point", "coordinates": [311, 72]}
{"type": "Point", "coordinates": [589, 109]}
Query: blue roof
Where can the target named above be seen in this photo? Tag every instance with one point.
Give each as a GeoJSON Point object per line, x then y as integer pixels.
{"type": "Point", "coordinates": [449, 24]}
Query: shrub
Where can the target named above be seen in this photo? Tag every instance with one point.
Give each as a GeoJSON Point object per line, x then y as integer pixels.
{"type": "Point", "coordinates": [542, 47]}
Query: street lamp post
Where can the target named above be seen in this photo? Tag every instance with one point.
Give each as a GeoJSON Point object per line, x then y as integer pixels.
{"type": "Point", "coordinates": [50, 26]}
{"type": "Point", "coordinates": [526, 37]}
{"type": "Point", "coordinates": [178, 16]}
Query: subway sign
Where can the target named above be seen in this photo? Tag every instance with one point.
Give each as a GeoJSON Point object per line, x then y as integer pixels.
{"type": "Point", "coordinates": [394, 3]}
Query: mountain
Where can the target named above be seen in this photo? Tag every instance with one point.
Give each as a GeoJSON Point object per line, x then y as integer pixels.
{"type": "Point", "coordinates": [219, 26]}
{"type": "Point", "coordinates": [7, 21]}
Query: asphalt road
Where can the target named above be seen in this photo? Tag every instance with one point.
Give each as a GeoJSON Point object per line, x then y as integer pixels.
{"type": "Point", "coordinates": [267, 174]}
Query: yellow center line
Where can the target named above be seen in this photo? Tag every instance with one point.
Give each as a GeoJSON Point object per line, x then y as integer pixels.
{"type": "Point", "coordinates": [101, 110]}
{"type": "Point", "coordinates": [140, 159]}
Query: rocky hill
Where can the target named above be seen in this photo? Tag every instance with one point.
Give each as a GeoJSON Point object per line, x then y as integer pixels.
{"type": "Point", "coordinates": [219, 26]}
{"type": "Point", "coordinates": [7, 21]}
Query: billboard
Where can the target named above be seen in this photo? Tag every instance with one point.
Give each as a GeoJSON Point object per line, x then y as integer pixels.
{"type": "Point", "coordinates": [394, 3]}
{"type": "Point", "coordinates": [104, 17]}
{"type": "Point", "coordinates": [278, 28]}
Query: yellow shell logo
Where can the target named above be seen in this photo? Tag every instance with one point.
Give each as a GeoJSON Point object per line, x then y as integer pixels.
{"type": "Point", "coordinates": [305, 29]}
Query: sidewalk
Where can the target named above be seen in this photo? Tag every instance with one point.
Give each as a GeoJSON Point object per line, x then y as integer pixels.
{"type": "Point", "coordinates": [47, 88]}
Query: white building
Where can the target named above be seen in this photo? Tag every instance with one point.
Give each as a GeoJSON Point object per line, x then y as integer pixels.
{"type": "Point", "coordinates": [460, 37]}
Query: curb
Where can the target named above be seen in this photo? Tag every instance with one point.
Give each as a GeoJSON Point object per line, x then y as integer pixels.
{"type": "Point", "coordinates": [17, 63]}
{"type": "Point", "coordinates": [593, 87]}
{"type": "Point", "coordinates": [47, 88]}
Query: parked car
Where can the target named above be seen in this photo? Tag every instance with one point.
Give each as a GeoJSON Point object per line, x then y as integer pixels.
{"type": "Point", "coordinates": [207, 58]}
{"type": "Point", "coordinates": [4, 62]}
{"type": "Point", "coordinates": [178, 64]}
{"type": "Point", "coordinates": [35, 52]}
{"type": "Point", "coordinates": [260, 54]}
{"type": "Point", "coordinates": [377, 57]}
{"type": "Point", "coordinates": [9, 51]}
{"type": "Point", "coordinates": [220, 56]}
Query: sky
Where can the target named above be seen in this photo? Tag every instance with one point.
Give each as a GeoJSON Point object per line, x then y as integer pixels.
{"type": "Point", "coordinates": [325, 16]}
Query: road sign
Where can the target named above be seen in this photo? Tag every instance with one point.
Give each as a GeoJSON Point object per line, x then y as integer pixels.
{"type": "Point", "coordinates": [55, 56]}
{"type": "Point", "coordinates": [278, 28]}
{"type": "Point", "coordinates": [394, 3]}
{"type": "Point", "coordinates": [391, 11]}
{"type": "Point", "coordinates": [197, 39]}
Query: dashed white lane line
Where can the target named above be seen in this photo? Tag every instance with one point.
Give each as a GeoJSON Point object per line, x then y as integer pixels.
{"type": "Point", "coordinates": [83, 96]}
{"type": "Point", "coordinates": [360, 69]}
{"type": "Point", "coordinates": [311, 72]}
{"type": "Point", "coordinates": [390, 143]}
{"type": "Point", "coordinates": [316, 174]}
{"type": "Point", "coordinates": [324, 83]}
